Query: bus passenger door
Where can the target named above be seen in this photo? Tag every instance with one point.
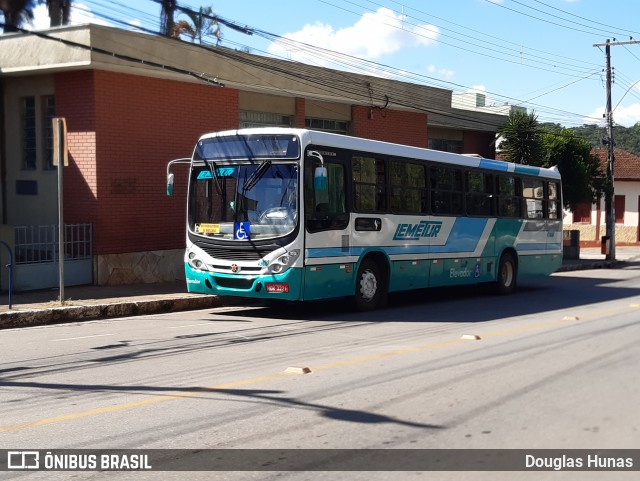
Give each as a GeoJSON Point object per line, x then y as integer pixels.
{"type": "Point", "coordinates": [328, 267]}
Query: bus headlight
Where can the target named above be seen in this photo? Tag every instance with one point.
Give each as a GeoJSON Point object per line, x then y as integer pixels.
{"type": "Point", "coordinates": [283, 262]}
{"type": "Point", "coordinates": [196, 263]}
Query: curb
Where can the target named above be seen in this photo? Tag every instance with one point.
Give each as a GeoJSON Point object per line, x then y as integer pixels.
{"type": "Point", "coordinates": [591, 265]}
{"type": "Point", "coordinates": [56, 315]}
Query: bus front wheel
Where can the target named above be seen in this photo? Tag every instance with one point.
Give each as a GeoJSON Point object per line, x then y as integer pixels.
{"type": "Point", "coordinates": [507, 274]}
{"type": "Point", "coordinates": [370, 286]}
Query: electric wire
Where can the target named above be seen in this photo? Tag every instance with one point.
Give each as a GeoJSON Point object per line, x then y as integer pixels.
{"type": "Point", "coordinates": [341, 82]}
{"type": "Point", "coordinates": [274, 38]}
{"type": "Point", "coordinates": [606, 32]}
{"type": "Point", "coordinates": [517, 56]}
{"type": "Point", "coordinates": [497, 4]}
{"type": "Point", "coordinates": [583, 18]}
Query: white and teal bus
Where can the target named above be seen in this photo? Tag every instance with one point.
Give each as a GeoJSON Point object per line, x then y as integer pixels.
{"type": "Point", "coordinates": [294, 214]}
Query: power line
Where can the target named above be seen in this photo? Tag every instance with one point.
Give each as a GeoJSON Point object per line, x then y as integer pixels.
{"type": "Point", "coordinates": [515, 57]}
{"type": "Point", "coordinates": [587, 19]}
{"type": "Point", "coordinates": [332, 56]}
{"type": "Point", "coordinates": [354, 63]}
{"type": "Point", "coordinates": [607, 32]}
{"type": "Point", "coordinates": [540, 19]}
{"type": "Point", "coordinates": [517, 52]}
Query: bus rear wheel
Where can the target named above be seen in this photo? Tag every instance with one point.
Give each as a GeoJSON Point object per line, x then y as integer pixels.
{"type": "Point", "coordinates": [370, 286]}
{"type": "Point", "coordinates": [507, 274]}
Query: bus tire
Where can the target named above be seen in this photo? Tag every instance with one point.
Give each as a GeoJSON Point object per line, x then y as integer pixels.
{"type": "Point", "coordinates": [370, 286]}
{"type": "Point", "coordinates": [507, 274]}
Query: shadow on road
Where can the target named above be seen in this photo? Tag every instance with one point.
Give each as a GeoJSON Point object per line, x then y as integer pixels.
{"type": "Point", "coordinates": [464, 303]}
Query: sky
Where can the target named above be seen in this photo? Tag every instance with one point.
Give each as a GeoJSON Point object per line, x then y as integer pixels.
{"type": "Point", "coordinates": [539, 54]}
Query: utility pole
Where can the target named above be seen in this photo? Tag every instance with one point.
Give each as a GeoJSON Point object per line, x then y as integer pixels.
{"type": "Point", "coordinates": [60, 160]}
{"type": "Point", "coordinates": [609, 194]}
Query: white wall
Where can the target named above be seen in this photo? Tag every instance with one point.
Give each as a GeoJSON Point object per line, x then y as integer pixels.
{"type": "Point", "coordinates": [28, 209]}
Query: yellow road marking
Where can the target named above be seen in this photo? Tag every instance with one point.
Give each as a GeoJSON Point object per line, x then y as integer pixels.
{"type": "Point", "coordinates": [135, 404]}
{"type": "Point", "coordinates": [244, 382]}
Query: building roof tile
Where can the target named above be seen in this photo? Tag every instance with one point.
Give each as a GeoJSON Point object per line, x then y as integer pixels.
{"type": "Point", "coordinates": [626, 165]}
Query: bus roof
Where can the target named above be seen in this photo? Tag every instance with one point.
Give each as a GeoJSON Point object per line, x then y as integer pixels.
{"type": "Point", "coordinates": [386, 148]}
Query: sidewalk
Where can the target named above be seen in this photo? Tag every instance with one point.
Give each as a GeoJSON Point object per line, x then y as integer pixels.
{"type": "Point", "coordinates": [83, 303]}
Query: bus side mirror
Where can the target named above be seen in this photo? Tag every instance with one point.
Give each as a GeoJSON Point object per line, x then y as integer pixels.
{"type": "Point", "coordinates": [170, 185]}
{"type": "Point", "coordinates": [320, 179]}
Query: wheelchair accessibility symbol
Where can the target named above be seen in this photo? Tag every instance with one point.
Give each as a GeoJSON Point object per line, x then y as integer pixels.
{"type": "Point", "coordinates": [242, 230]}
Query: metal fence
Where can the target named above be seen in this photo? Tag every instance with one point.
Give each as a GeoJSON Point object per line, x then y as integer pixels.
{"type": "Point", "coordinates": [39, 244]}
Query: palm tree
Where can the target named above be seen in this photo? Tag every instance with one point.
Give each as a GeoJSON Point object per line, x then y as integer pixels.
{"type": "Point", "coordinates": [16, 12]}
{"type": "Point", "coordinates": [204, 23]}
{"type": "Point", "coordinates": [182, 27]}
{"type": "Point", "coordinates": [522, 138]}
{"type": "Point", "coordinates": [59, 12]}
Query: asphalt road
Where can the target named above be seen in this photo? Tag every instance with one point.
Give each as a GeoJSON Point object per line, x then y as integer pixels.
{"type": "Point", "coordinates": [553, 366]}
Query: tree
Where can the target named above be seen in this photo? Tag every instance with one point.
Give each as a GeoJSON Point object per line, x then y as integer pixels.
{"type": "Point", "coordinates": [521, 138]}
{"type": "Point", "coordinates": [59, 12]}
{"type": "Point", "coordinates": [525, 142]}
{"type": "Point", "coordinates": [203, 24]}
{"type": "Point", "coordinates": [582, 179]}
{"type": "Point", "coordinates": [182, 27]}
{"type": "Point", "coordinates": [16, 12]}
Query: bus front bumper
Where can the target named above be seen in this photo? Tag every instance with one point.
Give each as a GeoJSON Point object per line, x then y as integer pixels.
{"type": "Point", "coordinates": [285, 286]}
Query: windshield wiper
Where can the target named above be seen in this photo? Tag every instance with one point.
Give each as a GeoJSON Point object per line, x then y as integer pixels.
{"type": "Point", "coordinates": [256, 176]}
{"type": "Point", "coordinates": [212, 167]}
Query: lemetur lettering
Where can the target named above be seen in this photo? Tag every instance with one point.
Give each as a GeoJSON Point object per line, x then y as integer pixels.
{"type": "Point", "coordinates": [417, 231]}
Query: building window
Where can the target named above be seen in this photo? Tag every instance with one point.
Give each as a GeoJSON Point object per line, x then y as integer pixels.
{"type": "Point", "coordinates": [582, 214]}
{"type": "Point", "coordinates": [48, 113]}
{"type": "Point", "coordinates": [28, 133]}
{"type": "Point", "coordinates": [445, 145]}
{"type": "Point", "coordinates": [250, 119]}
{"type": "Point", "coordinates": [327, 125]}
{"type": "Point", "coordinates": [619, 208]}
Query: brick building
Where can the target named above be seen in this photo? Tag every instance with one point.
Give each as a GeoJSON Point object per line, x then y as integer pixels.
{"type": "Point", "coordinates": [134, 101]}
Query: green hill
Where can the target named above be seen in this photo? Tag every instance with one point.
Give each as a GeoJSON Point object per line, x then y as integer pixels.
{"type": "Point", "coordinates": [627, 138]}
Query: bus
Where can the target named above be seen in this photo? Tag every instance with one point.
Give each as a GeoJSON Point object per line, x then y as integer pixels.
{"type": "Point", "coordinates": [296, 214]}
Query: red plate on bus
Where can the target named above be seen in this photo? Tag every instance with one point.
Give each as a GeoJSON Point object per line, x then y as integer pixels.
{"type": "Point", "coordinates": [277, 287]}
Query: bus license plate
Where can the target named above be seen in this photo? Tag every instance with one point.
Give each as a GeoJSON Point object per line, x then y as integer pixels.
{"type": "Point", "coordinates": [276, 287]}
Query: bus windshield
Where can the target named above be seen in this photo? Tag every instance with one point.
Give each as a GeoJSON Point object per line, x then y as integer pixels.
{"type": "Point", "coordinates": [262, 198]}
{"type": "Point", "coordinates": [257, 146]}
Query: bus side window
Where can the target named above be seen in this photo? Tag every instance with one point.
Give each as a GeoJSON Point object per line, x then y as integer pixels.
{"type": "Point", "coordinates": [479, 195]}
{"type": "Point", "coordinates": [408, 188]}
{"type": "Point", "coordinates": [509, 196]}
{"type": "Point", "coordinates": [325, 206]}
{"type": "Point", "coordinates": [446, 191]}
{"type": "Point", "coordinates": [369, 184]}
{"type": "Point", "coordinates": [553, 196]}
{"type": "Point", "coordinates": [533, 193]}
